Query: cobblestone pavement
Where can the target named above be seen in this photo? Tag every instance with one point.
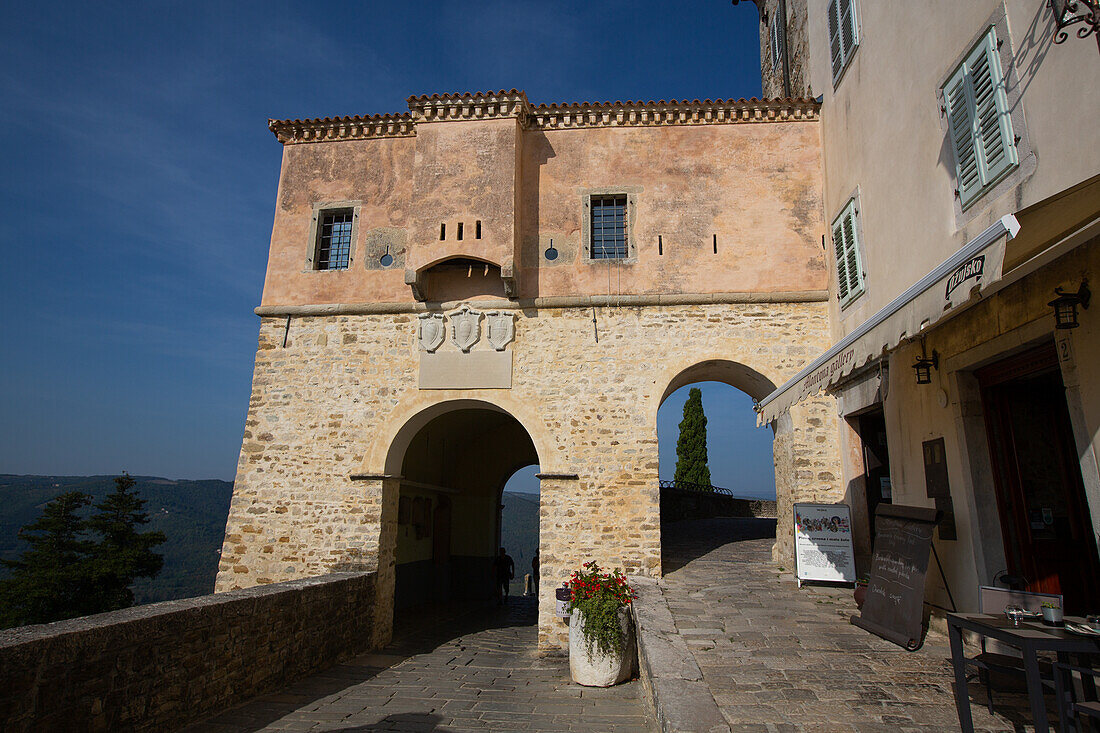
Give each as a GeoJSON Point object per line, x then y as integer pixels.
{"type": "Point", "coordinates": [469, 669]}
{"type": "Point", "coordinates": [778, 658]}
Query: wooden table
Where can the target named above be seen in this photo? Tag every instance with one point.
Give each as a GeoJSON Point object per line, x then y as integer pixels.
{"type": "Point", "coordinates": [1029, 637]}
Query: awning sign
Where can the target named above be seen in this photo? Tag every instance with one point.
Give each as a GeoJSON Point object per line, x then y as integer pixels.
{"type": "Point", "coordinates": [973, 268]}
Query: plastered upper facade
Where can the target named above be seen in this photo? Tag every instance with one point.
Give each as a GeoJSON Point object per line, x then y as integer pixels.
{"type": "Point", "coordinates": [360, 371]}
{"type": "Point", "coordinates": [886, 143]}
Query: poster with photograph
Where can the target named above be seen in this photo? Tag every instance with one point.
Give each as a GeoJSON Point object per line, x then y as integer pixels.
{"type": "Point", "coordinates": [823, 543]}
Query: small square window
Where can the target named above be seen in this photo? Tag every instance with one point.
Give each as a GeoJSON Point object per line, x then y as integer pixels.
{"type": "Point", "coordinates": [334, 239]}
{"type": "Point", "coordinates": [609, 228]}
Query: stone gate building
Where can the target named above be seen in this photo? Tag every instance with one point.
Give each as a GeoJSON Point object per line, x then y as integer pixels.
{"type": "Point", "coordinates": [480, 285]}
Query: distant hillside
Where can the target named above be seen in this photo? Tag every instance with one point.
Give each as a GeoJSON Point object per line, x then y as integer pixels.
{"type": "Point", "coordinates": [191, 514]}
{"type": "Point", "coordinates": [519, 532]}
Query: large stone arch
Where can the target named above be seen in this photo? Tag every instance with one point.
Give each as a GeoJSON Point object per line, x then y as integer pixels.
{"type": "Point", "coordinates": [753, 381]}
{"type": "Point", "coordinates": [384, 469]}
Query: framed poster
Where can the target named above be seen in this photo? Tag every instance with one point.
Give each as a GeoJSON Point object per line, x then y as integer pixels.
{"type": "Point", "coordinates": [823, 543]}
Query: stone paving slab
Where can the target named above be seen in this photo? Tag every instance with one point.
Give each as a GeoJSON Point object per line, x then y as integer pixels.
{"type": "Point", "coordinates": [461, 669]}
{"type": "Point", "coordinates": [779, 658]}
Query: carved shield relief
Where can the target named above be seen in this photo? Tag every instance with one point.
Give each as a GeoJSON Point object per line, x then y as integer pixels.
{"type": "Point", "coordinates": [465, 328]}
{"type": "Point", "coordinates": [432, 331]}
{"type": "Point", "coordinates": [502, 328]}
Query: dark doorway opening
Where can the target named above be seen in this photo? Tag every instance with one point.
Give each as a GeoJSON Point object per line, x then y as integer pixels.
{"type": "Point", "coordinates": [876, 463]}
{"type": "Point", "coordinates": [1040, 495]}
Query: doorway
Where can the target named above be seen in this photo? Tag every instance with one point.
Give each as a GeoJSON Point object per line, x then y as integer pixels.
{"type": "Point", "coordinates": [1040, 496]}
{"type": "Point", "coordinates": [876, 464]}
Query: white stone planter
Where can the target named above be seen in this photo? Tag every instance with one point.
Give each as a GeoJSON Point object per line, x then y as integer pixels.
{"type": "Point", "coordinates": [598, 669]}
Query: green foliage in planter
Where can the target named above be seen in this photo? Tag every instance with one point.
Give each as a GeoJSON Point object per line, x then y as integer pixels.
{"type": "Point", "coordinates": [599, 596]}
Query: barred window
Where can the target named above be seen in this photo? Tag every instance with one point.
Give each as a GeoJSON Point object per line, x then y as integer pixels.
{"type": "Point", "coordinates": [334, 240]}
{"type": "Point", "coordinates": [609, 227]}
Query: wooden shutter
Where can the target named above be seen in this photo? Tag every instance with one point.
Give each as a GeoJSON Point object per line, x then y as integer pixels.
{"type": "Point", "coordinates": [849, 263]}
{"type": "Point", "coordinates": [836, 50]}
{"type": "Point", "coordinates": [993, 125]}
{"type": "Point", "coordinates": [841, 261]}
{"type": "Point", "coordinates": [978, 121]}
{"type": "Point", "coordinates": [775, 42]}
{"type": "Point", "coordinates": [843, 33]}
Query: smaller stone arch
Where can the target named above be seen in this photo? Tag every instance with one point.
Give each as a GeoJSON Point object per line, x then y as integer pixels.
{"type": "Point", "coordinates": [385, 455]}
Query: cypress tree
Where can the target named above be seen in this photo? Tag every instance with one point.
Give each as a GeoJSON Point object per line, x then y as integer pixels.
{"type": "Point", "coordinates": [122, 554]}
{"type": "Point", "coordinates": [49, 581]}
{"type": "Point", "coordinates": [691, 446]}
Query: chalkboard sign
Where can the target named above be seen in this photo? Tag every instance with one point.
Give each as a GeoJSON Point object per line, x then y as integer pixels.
{"type": "Point", "coordinates": [894, 608]}
{"type": "Point", "coordinates": [823, 543]}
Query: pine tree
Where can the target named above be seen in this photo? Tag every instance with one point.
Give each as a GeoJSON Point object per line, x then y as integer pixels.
{"type": "Point", "coordinates": [122, 554]}
{"type": "Point", "coordinates": [49, 581]}
{"type": "Point", "coordinates": [691, 446]}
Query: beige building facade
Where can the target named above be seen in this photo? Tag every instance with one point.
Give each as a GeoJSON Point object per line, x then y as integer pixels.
{"type": "Point", "coordinates": [939, 120]}
{"type": "Point", "coordinates": [482, 284]}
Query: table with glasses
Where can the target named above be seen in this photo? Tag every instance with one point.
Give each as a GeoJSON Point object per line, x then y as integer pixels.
{"type": "Point", "coordinates": [1030, 637]}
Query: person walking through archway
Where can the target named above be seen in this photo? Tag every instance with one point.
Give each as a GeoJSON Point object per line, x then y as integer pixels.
{"type": "Point", "coordinates": [506, 570]}
{"type": "Point", "coordinates": [535, 572]}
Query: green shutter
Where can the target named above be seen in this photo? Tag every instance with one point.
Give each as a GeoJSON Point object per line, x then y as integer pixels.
{"type": "Point", "coordinates": [849, 263]}
{"type": "Point", "coordinates": [836, 50]}
{"type": "Point", "coordinates": [841, 261]}
{"type": "Point", "coordinates": [843, 33]}
{"type": "Point", "coordinates": [994, 124]}
{"type": "Point", "coordinates": [960, 122]}
{"type": "Point", "coordinates": [848, 27]}
{"type": "Point", "coordinates": [979, 122]}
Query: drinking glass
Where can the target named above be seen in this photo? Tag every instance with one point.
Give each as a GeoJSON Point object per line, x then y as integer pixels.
{"type": "Point", "coordinates": [1014, 613]}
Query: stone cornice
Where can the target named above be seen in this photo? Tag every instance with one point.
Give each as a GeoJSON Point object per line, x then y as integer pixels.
{"type": "Point", "coordinates": [342, 128]}
{"type": "Point", "coordinates": [561, 301]}
{"type": "Point", "coordinates": [662, 113]}
{"type": "Point", "coordinates": [478, 106]}
{"type": "Point", "coordinates": [514, 105]}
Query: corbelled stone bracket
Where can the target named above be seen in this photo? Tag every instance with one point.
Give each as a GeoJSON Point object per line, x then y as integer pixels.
{"type": "Point", "coordinates": [415, 281]}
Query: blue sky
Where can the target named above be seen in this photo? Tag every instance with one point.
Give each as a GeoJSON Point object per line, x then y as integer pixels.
{"type": "Point", "coordinates": [139, 183]}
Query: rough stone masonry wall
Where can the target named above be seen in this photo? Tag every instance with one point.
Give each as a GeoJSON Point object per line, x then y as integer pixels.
{"type": "Point", "coordinates": [328, 405]}
{"type": "Point", "coordinates": [160, 666]}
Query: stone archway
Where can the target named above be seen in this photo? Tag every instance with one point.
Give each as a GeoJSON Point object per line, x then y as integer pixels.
{"type": "Point", "coordinates": [445, 467]}
{"type": "Point", "coordinates": [756, 385]}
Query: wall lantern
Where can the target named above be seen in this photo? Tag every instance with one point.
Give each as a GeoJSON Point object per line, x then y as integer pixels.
{"type": "Point", "coordinates": [925, 364]}
{"type": "Point", "coordinates": [1065, 305]}
{"type": "Point", "coordinates": [1071, 12]}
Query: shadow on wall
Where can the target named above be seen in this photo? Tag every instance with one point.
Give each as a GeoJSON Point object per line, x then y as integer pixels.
{"type": "Point", "coordinates": [682, 542]}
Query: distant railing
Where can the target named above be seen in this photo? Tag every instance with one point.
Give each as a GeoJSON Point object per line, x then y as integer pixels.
{"type": "Point", "coordinates": [692, 486]}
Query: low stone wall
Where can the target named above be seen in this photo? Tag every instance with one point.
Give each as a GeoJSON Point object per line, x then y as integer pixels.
{"type": "Point", "coordinates": [677, 504]}
{"type": "Point", "coordinates": [677, 695]}
{"type": "Point", "coordinates": [160, 666]}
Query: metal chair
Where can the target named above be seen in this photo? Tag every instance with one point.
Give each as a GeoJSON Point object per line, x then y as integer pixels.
{"type": "Point", "coordinates": [1069, 710]}
{"type": "Point", "coordinates": [993, 600]}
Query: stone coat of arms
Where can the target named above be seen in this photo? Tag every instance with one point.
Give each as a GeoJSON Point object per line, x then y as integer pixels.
{"type": "Point", "coordinates": [465, 328]}
{"type": "Point", "coordinates": [501, 328]}
{"type": "Point", "coordinates": [432, 331]}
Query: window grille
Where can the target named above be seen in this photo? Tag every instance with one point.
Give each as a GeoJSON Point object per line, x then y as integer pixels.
{"type": "Point", "coordinates": [334, 240]}
{"type": "Point", "coordinates": [609, 228]}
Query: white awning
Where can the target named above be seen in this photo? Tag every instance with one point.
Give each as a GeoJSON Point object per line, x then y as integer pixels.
{"type": "Point", "coordinates": [973, 268]}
